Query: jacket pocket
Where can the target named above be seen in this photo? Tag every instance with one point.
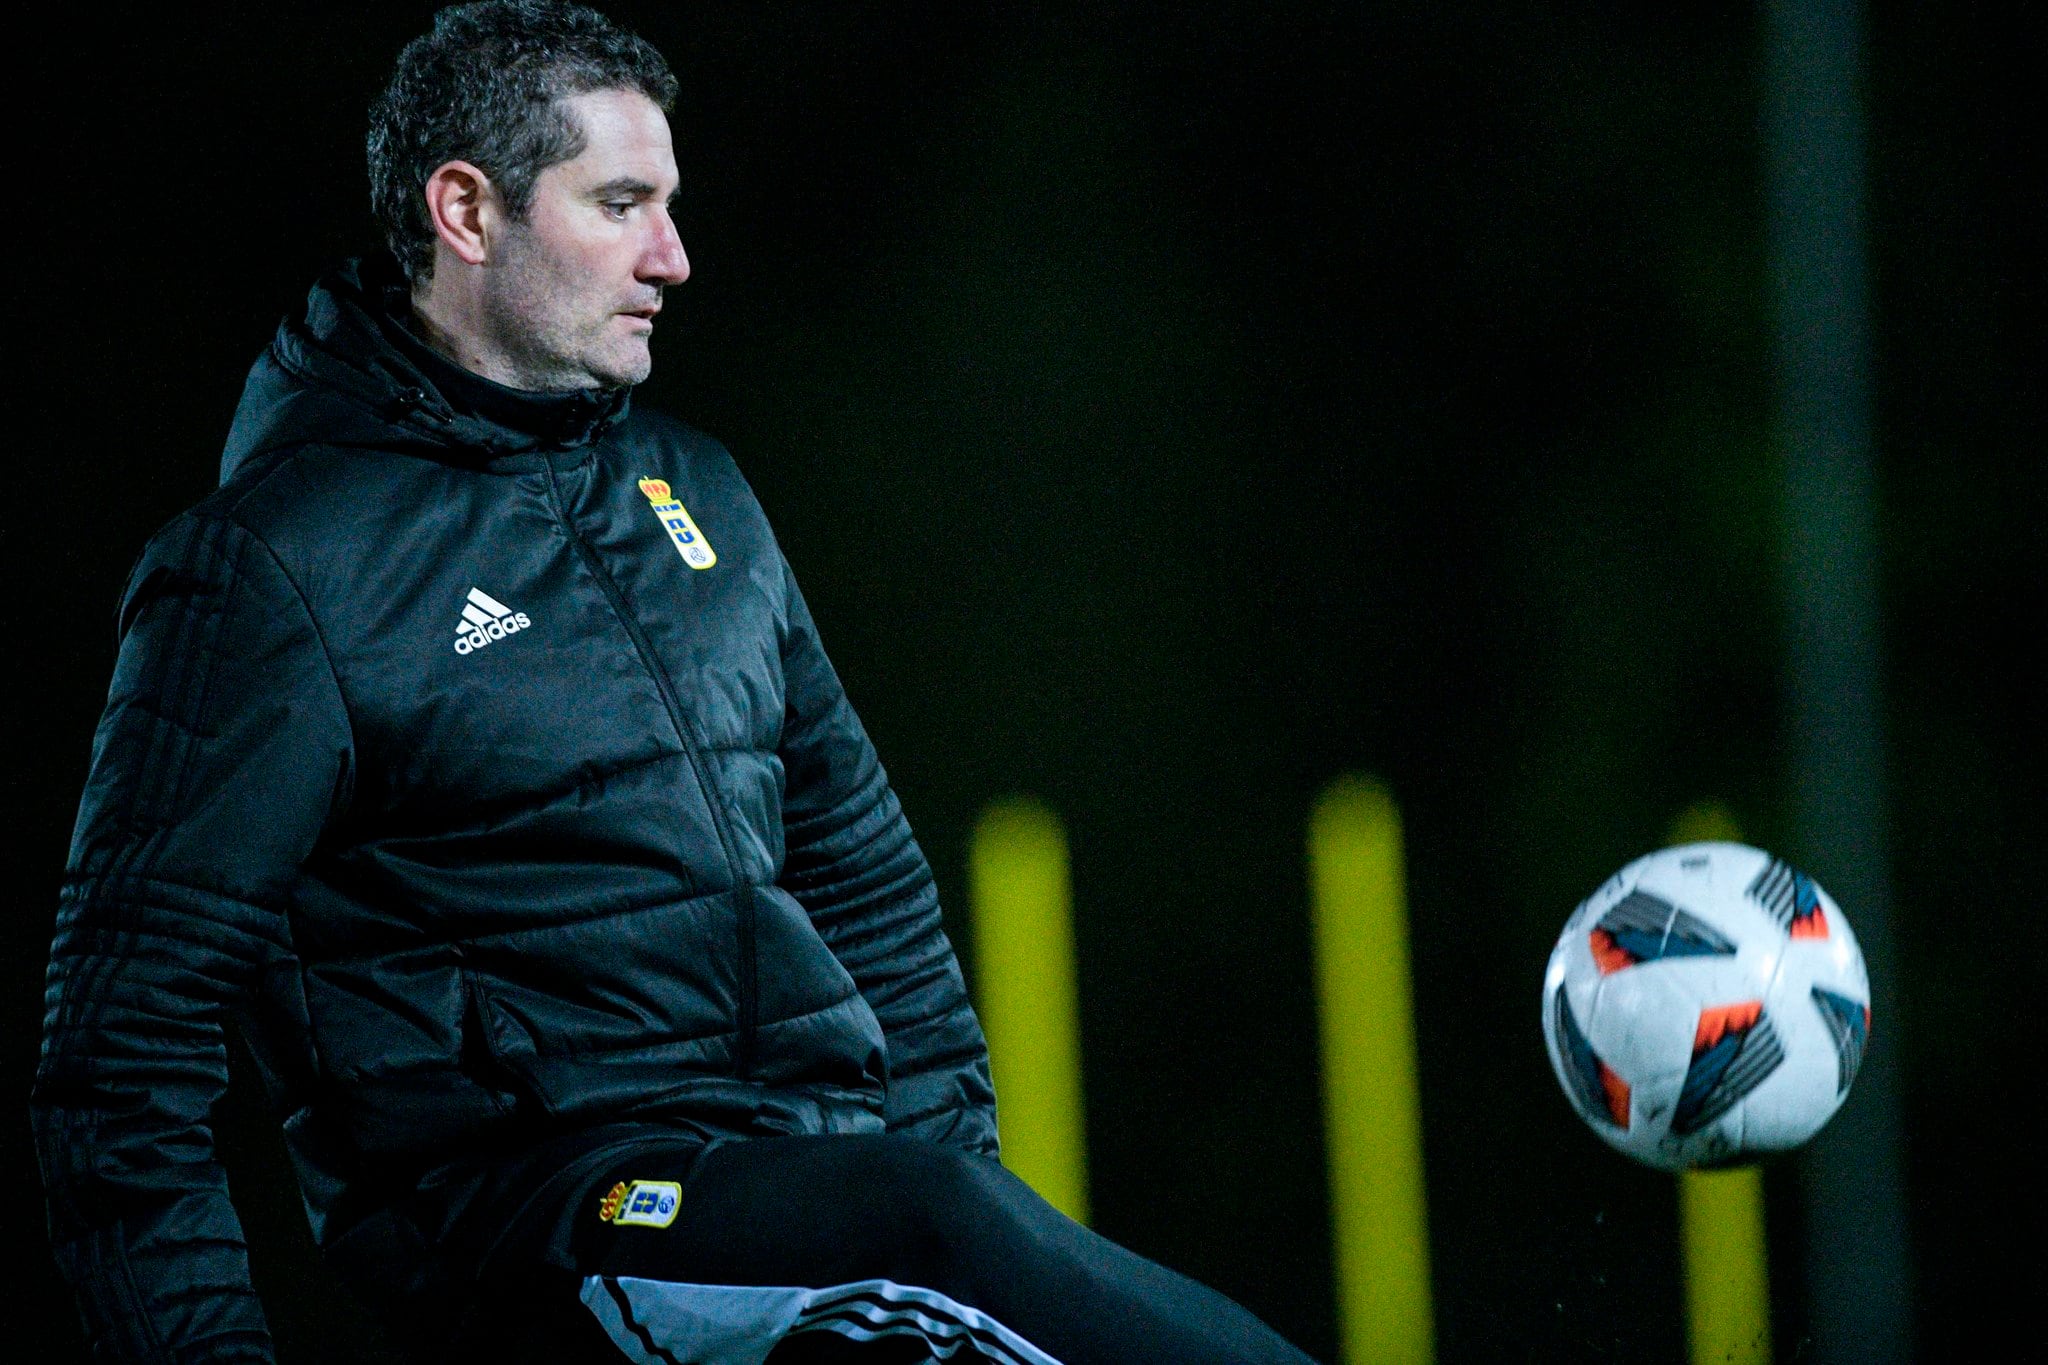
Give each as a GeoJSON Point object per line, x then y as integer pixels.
{"type": "Point", "coordinates": [392, 1034]}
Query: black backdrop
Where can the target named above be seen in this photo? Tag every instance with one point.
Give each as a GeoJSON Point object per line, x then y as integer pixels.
{"type": "Point", "coordinates": [1169, 407]}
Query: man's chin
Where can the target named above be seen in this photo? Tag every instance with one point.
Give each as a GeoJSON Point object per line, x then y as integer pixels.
{"type": "Point", "coordinates": [621, 369]}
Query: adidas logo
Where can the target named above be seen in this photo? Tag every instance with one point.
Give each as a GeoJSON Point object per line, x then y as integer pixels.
{"type": "Point", "coordinates": [484, 619]}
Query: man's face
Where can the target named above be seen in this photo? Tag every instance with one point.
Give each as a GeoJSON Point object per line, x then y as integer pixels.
{"type": "Point", "coordinates": [570, 293]}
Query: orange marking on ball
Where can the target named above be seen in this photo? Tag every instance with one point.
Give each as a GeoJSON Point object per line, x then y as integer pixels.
{"type": "Point", "coordinates": [1608, 955]}
{"type": "Point", "coordinates": [1616, 1090]}
{"type": "Point", "coordinates": [1814, 925]}
{"type": "Point", "coordinates": [1717, 1021]}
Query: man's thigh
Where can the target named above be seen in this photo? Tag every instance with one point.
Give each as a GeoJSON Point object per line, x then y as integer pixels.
{"type": "Point", "coordinates": [867, 1249]}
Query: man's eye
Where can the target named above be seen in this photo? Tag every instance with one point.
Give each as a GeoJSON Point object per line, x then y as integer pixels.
{"type": "Point", "coordinates": [617, 209]}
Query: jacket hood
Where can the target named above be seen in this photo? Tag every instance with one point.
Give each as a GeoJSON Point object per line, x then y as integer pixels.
{"type": "Point", "coordinates": [348, 372]}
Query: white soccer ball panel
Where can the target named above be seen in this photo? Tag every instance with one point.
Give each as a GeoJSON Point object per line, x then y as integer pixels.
{"type": "Point", "coordinates": [1795, 1101]}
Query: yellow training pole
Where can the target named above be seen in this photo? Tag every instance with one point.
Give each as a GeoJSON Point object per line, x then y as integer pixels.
{"type": "Point", "coordinates": [1024, 974]}
{"type": "Point", "coordinates": [1370, 1108]}
{"type": "Point", "coordinates": [1727, 1290]}
{"type": "Point", "coordinates": [1721, 1216]}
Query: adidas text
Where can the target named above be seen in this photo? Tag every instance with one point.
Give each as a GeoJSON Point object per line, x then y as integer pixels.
{"type": "Point", "coordinates": [484, 619]}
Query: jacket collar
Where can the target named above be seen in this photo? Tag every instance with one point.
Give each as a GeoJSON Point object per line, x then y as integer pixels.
{"type": "Point", "coordinates": [350, 371]}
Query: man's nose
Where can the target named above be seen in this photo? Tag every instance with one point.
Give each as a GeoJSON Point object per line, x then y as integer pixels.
{"type": "Point", "coordinates": [665, 262]}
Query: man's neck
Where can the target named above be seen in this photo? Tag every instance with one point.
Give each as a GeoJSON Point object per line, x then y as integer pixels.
{"type": "Point", "coordinates": [446, 325]}
{"type": "Point", "coordinates": [565, 417]}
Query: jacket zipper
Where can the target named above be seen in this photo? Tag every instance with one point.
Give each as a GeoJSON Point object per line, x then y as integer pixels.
{"type": "Point", "coordinates": [743, 891]}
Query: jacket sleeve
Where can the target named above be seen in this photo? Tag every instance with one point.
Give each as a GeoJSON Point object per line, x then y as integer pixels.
{"type": "Point", "coordinates": [223, 749]}
{"type": "Point", "coordinates": [852, 863]}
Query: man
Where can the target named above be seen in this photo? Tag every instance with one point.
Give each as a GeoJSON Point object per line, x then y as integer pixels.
{"type": "Point", "coordinates": [474, 750]}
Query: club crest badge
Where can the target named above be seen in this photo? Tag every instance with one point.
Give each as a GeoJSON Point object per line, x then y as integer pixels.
{"type": "Point", "coordinates": [641, 1203]}
{"type": "Point", "coordinates": [675, 519]}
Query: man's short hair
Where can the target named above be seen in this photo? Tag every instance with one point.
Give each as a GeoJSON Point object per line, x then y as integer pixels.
{"type": "Point", "coordinates": [485, 86]}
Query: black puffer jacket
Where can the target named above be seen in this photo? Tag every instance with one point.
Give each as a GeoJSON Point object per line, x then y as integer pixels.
{"type": "Point", "coordinates": [503, 795]}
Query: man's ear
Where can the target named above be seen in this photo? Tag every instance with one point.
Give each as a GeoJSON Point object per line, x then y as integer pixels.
{"type": "Point", "coordinates": [463, 206]}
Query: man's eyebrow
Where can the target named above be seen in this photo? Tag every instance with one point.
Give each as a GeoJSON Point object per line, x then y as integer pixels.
{"type": "Point", "coordinates": [631, 187]}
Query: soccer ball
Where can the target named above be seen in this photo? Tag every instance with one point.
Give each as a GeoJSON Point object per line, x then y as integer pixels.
{"type": "Point", "coordinates": [1707, 1005]}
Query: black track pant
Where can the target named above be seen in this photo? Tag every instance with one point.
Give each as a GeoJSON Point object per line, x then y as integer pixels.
{"type": "Point", "coordinates": [867, 1249]}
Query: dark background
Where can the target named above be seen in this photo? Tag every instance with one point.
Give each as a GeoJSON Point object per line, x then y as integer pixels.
{"type": "Point", "coordinates": [1170, 407]}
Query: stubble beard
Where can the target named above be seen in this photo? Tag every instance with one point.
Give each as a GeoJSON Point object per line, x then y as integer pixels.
{"type": "Point", "coordinates": [550, 339]}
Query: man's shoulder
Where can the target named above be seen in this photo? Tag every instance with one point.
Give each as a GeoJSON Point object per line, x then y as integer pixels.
{"type": "Point", "coordinates": [653, 433]}
{"type": "Point", "coordinates": [322, 510]}
{"type": "Point", "coordinates": [652, 443]}
{"type": "Point", "coordinates": [313, 510]}
{"type": "Point", "coordinates": [258, 499]}
{"type": "Point", "coordinates": [311, 491]}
